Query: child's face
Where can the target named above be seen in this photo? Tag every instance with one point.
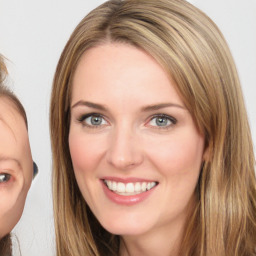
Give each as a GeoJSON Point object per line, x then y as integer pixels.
{"type": "Point", "coordinates": [16, 165]}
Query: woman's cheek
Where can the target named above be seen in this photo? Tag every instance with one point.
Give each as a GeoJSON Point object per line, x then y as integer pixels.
{"type": "Point", "coordinates": [178, 154]}
{"type": "Point", "coordinates": [85, 152]}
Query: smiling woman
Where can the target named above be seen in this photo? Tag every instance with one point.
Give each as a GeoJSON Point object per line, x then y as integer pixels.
{"type": "Point", "coordinates": [16, 165]}
{"type": "Point", "coordinates": [152, 153]}
{"type": "Point", "coordinates": [128, 146]}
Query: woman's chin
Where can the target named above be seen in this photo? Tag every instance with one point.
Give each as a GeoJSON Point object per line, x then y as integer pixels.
{"type": "Point", "coordinates": [125, 228]}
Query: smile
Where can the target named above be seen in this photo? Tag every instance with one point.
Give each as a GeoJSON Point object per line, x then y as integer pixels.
{"type": "Point", "coordinates": [129, 189]}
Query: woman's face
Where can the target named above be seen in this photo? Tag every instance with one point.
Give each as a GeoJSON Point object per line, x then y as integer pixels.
{"type": "Point", "coordinates": [135, 149]}
{"type": "Point", "coordinates": [16, 166]}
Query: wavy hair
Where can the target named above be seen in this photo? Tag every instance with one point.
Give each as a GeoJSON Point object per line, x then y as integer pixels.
{"type": "Point", "coordinates": [193, 52]}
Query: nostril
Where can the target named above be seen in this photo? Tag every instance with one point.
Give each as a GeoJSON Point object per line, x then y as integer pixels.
{"type": "Point", "coordinates": [121, 163]}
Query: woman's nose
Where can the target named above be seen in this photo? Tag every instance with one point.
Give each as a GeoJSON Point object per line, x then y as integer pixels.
{"type": "Point", "coordinates": [124, 151]}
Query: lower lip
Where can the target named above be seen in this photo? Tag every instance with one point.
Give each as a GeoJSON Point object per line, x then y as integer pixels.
{"type": "Point", "coordinates": [126, 200]}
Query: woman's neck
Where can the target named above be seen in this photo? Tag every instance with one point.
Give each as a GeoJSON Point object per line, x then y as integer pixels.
{"type": "Point", "coordinates": [163, 240]}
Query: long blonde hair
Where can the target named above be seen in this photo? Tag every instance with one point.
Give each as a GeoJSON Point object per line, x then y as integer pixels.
{"type": "Point", "coordinates": [193, 52]}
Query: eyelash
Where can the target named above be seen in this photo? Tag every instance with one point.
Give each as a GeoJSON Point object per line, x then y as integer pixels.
{"type": "Point", "coordinates": [4, 178]}
{"type": "Point", "coordinates": [82, 119]}
{"type": "Point", "coordinates": [169, 119]}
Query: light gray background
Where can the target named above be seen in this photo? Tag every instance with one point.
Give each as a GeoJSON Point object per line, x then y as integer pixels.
{"type": "Point", "coordinates": [32, 36]}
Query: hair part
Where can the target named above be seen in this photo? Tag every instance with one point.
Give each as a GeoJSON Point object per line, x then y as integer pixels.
{"type": "Point", "coordinates": [193, 52]}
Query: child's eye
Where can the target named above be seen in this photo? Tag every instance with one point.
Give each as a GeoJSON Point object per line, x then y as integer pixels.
{"type": "Point", "coordinates": [4, 177]}
{"type": "Point", "coordinates": [93, 120]}
{"type": "Point", "coordinates": [162, 121]}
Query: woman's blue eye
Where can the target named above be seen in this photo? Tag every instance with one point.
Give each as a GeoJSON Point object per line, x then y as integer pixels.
{"type": "Point", "coordinates": [4, 177]}
{"type": "Point", "coordinates": [162, 121]}
{"type": "Point", "coordinates": [94, 120]}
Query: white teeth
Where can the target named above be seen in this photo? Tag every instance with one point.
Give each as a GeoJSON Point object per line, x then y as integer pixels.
{"type": "Point", "coordinates": [137, 187]}
{"type": "Point", "coordinates": [114, 186]}
{"type": "Point", "coordinates": [120, 187]}
{"type": "Point", "coordinates": [144, 186]}
{"type": "Point", "coordinates": [129, 188]}
{"type": "Point", "coordinates": [109, 183]}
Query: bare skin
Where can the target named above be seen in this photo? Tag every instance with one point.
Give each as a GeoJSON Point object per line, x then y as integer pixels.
{"type": "Point", "coordinates": [16, 165]}
{"type": "Point", "coordinates": [129, 125]}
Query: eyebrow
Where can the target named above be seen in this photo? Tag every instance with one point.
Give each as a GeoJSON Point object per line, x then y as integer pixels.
{"type": "Point", "coordinates": [160, 106]}
{"type": "Point", "coordinates": [143, 109]}
{"type": "Point", "coordinates": [4, 159]}
{"type": "Point", "coordinates": [90, 105]}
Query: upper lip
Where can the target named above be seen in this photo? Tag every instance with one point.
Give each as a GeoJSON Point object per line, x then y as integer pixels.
{"type": "Point", "coordinates": [128, 180]}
